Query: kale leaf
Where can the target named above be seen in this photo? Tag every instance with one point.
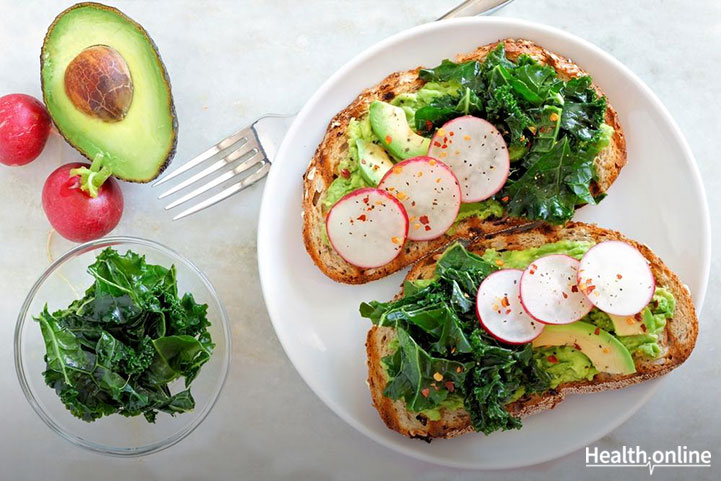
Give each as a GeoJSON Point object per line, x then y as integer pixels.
{"type": "Point", "coordinates": [539, 116]}
{"type": "Point", "coordinates": [118, 348]}
{"type": "Point", "coordinates": [438, 337]}
{"type": "Point", "coordinates": [414, 375]}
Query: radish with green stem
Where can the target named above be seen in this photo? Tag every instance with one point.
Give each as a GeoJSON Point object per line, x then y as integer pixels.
{"type": "Point", "coordinates": [82, 202]}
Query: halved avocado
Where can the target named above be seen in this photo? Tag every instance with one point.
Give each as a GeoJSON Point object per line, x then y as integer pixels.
{"type": "Point", "coordinates": [108, 92]}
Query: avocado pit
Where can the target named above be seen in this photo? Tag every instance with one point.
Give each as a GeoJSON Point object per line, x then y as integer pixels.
{"type": "Point", "coordinates": [98, 83]}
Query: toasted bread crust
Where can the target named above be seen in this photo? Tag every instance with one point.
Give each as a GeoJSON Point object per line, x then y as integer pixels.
{"type": "Point", "coordinates": [677, 340]}
{"type": "Point", "coordinates": [334, 147]}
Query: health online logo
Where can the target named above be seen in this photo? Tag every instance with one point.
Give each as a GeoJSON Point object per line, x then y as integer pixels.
{"type": "Point", "coordinates": [634, 457]}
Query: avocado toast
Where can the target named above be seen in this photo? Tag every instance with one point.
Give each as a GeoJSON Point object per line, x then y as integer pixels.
{"type": "Point", "coordinates": [430, 98]}
{"type": "Point", "coordinates": [499, 382]}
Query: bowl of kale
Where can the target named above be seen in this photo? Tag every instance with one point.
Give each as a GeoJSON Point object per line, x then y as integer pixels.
{"type": "Point", "coordinates": [122, 346]}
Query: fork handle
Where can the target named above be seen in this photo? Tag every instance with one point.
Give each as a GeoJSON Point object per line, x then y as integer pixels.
{"type": "Point", "coordinates": [470, 8]}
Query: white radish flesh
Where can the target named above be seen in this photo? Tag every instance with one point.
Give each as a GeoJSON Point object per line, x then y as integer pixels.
{"type": "Point", "coordinates": [476, 152]}
{"type": "Point", "coordinates": [499, 308]}
{"type": "Point", "coordinates": [429, 192]}
{"type": "Point", "coordinates": [367, 227]}
{"type": "Point", "coordinates": [616, 278]}
{"type": "Point", "coordinates": [549, 290]}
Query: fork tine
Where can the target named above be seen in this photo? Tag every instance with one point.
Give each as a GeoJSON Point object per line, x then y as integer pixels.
{"type": "Point", "coordinates": [228, 159]}
{"type": "Point", "coordinates": [239, 169]}
{"type": "Point", "coordinates": [227, 192]}
{"type": "Point", "coordinates": [219, 147]}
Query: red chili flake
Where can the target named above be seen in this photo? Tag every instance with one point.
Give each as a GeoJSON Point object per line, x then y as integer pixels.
{"type": "Point", "coordinates": [552, 359]}
{"type": "Point", "coordinates": [436, 143]}
{"type": "Point", "coordinates": [345, 173]}
{"type": "Point", "coordinates": [459, 369]}
{"type": "Point", "coordinates": [590, 289]}
{"type": "Point", "coordinates": [424, 219]}
{"type": "Point", "coordinates": [534, 266]}
{"type": "Point", "coordinates": [531, 272]}
{"type": "Point", "coordinates": [619, 276]}
{"type": "Point", "coordinates": [578, 348]}
{"type": "Point", "coordinates": [504, 302]}
{"type": "Point", "coordinates": [427, 228]}
{"type": "Point", "coordinates": [426, 392]}
{"type": "Point", "coordinates": [565, 296]}
{"type": "Point", "coordinates": [444, 146]}
{"type": "Point", "coordinates": [597, 331]}
{"type": "Point", "coordinates": [451, 133]}
{"type": "Point", "coordinates": [365, 199]}
{"type": "Point", "coordinates": [638, 317]}
{"type": "Point", "coordinates": [429, 125]}
{"type": "Point", "coordinates": [574, 289]}
{"type": "Point", "coordinates": [504, 198]}
{"type": "Point", "coordinates": [643, 327]}
{"type": "Point", "coordinates": [362, 217]}
{"type": "Point", "coordinates": [389, 139]}
{"type": "Point", "coordinates": [508, 311]}
{"type": "Point", "coordinates": [450, 386]}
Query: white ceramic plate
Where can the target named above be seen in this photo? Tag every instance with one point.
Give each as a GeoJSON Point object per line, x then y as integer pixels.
{"type": "Point", "coordinates": [658, 199]}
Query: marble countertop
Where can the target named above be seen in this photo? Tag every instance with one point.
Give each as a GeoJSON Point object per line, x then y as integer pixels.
{"type": "Point", "coordinates": [233, 61]}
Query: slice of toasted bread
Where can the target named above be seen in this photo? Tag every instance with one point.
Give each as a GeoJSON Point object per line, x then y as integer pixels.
{"type": "Point", "coordinates": [677, 339]}
{"type": "Point", "coordinates": [334, 148]}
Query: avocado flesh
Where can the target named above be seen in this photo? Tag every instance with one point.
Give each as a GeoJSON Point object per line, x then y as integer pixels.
{"type": "Point", "coordinates": [389, 123]}
{"type": "Point", "coordinates": [605, 351]}
{"type": "Point", "coordinates": [627, 325]}
{"type": "Point", "coordinates": [138, 147]}
{"type": "Point", "coordinates": [374, 162]}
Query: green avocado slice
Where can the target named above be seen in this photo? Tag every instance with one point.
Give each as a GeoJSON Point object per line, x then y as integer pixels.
{"type": "Point", "coordinates": [138, 142]}
{"type": "Point", "coordinates": [374, 162]}
{"type": "Point", "coordinates": [391, 127]}
{"type": "Point", "coordinates": [605, 351]}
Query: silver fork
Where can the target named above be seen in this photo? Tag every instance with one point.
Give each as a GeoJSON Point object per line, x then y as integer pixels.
{"type": "Point", "coordinates": [250, 151]}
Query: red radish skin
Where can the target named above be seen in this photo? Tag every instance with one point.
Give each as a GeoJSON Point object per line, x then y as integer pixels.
{"type": "Point", "coordinates": [76, 215]}
{"type": "Point", "coordinates": [476, 152]}
{"type": "Point", "coordinates": [362, 207]}
{"type": "Point", "coordinates": [522, 316]}
{"type": "Point", "coordinates": [616, 278]}
{"type": "Point", "coordinates": [24, 129]}
{"type": "Point", "coordinates": [583, 306]}
{"type": "Point", "coordinates": [430, 193]}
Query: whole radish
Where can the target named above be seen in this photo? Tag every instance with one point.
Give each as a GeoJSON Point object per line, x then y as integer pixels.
{"type": "Point", "coordinates": [82, 202]}
{"type": "Point", "coordinates": [24, 129]}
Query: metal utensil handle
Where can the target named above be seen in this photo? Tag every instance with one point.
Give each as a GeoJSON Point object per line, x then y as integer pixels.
{"type": "Point", "coordinates": [470, 8]}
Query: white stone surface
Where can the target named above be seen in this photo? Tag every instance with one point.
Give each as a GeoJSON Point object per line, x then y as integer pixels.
{"type": "Point", "coordinates": [232, 61]}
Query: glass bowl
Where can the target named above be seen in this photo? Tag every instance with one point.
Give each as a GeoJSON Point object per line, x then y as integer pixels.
{"type": "Point", "coordinates": [66, 280]}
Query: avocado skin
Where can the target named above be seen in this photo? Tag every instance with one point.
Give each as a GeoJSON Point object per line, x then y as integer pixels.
{"type": "Point", "coordinates": [166, 81]}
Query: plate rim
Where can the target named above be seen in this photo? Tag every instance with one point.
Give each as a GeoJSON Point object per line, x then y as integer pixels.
{"type": "Point", "coordinates": [536, 27]}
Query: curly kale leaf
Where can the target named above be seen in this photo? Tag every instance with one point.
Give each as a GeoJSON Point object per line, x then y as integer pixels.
{"type": "Point", "coordinates": [498, 376]}
{"type": "Point", "coordinates": [552, 187]}
{"type": "Point", "coordinates": [438, 338]}
{"type": "Point", "coordinates": [118, 348]}
{"type": "Point", "coordinates": [421, 380]}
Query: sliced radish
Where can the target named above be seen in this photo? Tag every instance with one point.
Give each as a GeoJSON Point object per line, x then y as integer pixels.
{"type": "Point", "coordinates": [367, 227]}
{"type": "Point", "coordinates": [476, 152]}
{"type": "Point", "coordinates": [549, 290]}
{"type": "Point", "coordinates": [430, 193]}
{"type": "Point", "coordinates": [499, 308]}
{"type": "Point", "coordinates": [616, 278]}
